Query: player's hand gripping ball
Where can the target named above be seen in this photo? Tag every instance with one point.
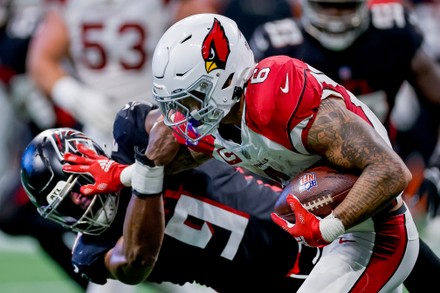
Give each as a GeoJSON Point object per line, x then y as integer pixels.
{"type": "Point", "coordinates": [319, 189]}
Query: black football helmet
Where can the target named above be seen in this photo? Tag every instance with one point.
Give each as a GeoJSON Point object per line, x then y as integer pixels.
{"type": "Point", "coordinates": [52, 190]}
{"type": "Point", "coordinates": [335, 31]}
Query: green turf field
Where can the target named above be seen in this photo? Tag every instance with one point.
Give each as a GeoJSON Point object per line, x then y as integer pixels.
{"type": "Point", "coordinates": [32, 272]}
{"type": "Point", "coordinates": [24, 268]}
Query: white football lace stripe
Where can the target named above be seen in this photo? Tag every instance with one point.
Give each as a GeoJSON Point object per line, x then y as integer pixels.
{"type": "Point", "coordinates": [318, 203]}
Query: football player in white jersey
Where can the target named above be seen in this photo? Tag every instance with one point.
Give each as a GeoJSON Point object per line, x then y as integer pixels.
{"type": "Point", "coordinates": [278, 118]}
{"type": "Point", "coordinates": [109, 44]}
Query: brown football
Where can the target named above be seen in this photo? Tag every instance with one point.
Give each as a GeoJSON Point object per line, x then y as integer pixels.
{"type": "Point", "coordinates": [320, 189]}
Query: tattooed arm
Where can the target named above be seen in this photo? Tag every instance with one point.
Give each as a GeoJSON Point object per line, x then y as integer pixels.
{"type": "Point", "coordinates": [348, 142]}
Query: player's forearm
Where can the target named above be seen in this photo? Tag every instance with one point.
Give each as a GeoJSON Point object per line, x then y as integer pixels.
{"type": "Point", "coordinates": [144, 223]}
{"type": "Point", "coordinates": [383, 176]}
{"type": "Point", "coordinates": [375, 189]}
{"type": "Point", "coordinates": [348, 142]}
{"type": "Point", "coordinates": [133, 259]}
{"type": "Point", "coordinates": [45, 73]}
{"type": "Point", "coordinates": [46, 51]}
{"type": "Point", "coordinates": [143, 235]}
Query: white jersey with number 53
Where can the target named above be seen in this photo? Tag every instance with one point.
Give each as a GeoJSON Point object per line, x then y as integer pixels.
{"type": "Point", "coordinates": [111, 44]}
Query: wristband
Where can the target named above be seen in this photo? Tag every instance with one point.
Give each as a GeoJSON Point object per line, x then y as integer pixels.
{"type": "Point", "coordinates": [331, 227]}
{"type": "Point", "coordinates": [147, 179]}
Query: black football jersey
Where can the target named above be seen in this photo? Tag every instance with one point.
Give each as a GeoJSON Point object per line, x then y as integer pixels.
{"type": "Point", "coordinates": [373, 67]}
{"type": "Point", "coordinates": [15, 36]}
{"type": "Point", "coordinates": [13, 52]}
{"type": "Point", "coordinates": [218, 226]}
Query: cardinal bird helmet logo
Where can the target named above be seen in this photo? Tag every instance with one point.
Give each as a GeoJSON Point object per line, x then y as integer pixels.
{"type": "Point", "coordinates": [215, 48]}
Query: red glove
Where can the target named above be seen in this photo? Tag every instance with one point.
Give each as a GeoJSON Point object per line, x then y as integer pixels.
{"type": "Point", "coordinates": [309, 229]}
{"type": "Point", "coordinates": [105, 172]}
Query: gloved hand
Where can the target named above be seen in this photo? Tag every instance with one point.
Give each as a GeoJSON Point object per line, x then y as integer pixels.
{"type": "Point", "coordinates": [88, 106]}
{"type": "Point", "coordinates": [108, 174]}
{"type": "Point", "coordinates": [309, 229]}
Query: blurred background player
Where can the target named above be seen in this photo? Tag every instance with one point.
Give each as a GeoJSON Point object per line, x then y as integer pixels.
{"type": "Point", "coordinates": [92, 57]}
{"type": "Point", "coordinates": [251, 13]}
{"type": "Point", "coordinates": [24, 113]}
{"type": "Point", "coordinates": [247, 13]}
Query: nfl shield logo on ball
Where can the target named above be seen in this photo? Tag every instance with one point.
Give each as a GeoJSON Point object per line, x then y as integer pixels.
{"type": "Point", "coordinates": [307, 182]}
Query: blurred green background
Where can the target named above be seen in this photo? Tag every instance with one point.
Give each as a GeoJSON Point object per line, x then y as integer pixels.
{"type": "Point", "coordinates": [24, 267]}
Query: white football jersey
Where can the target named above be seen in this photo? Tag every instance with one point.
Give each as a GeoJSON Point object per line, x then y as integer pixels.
{"type": "Point", "coordinates": [111, 44]}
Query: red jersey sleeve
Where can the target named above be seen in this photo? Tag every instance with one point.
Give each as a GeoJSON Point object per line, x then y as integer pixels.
{"type": "Point", "coordinates": [281, 95]}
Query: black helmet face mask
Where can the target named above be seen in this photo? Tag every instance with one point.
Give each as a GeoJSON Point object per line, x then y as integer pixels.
{"type": "Point", "coordinates": [56, 193]}
{"type": "Point", "coordinates": [336, 24]}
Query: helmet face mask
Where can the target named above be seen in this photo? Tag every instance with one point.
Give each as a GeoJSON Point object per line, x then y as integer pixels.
{"type": "Point", "coordinates": [198, 65]}
{"type": "Point", "coordinates": [56, 193]}
{"type": "Point", "coordinates": [188, 113]}
{"type": "Point", "coordinates": [336, 24]}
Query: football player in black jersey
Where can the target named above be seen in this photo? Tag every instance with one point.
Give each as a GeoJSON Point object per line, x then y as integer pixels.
{"type": "Point", "coordinates": [218, 229]}
{"type": "Point", "coordinates": [212, 236]}
{"type": "Point", "coordinates": [369, 47]}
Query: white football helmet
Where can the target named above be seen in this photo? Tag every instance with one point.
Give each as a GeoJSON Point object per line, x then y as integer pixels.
{"type": "Point", "coordinates": [336, 24]}
{"type": "Point", "coordinates": [200, 67]}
